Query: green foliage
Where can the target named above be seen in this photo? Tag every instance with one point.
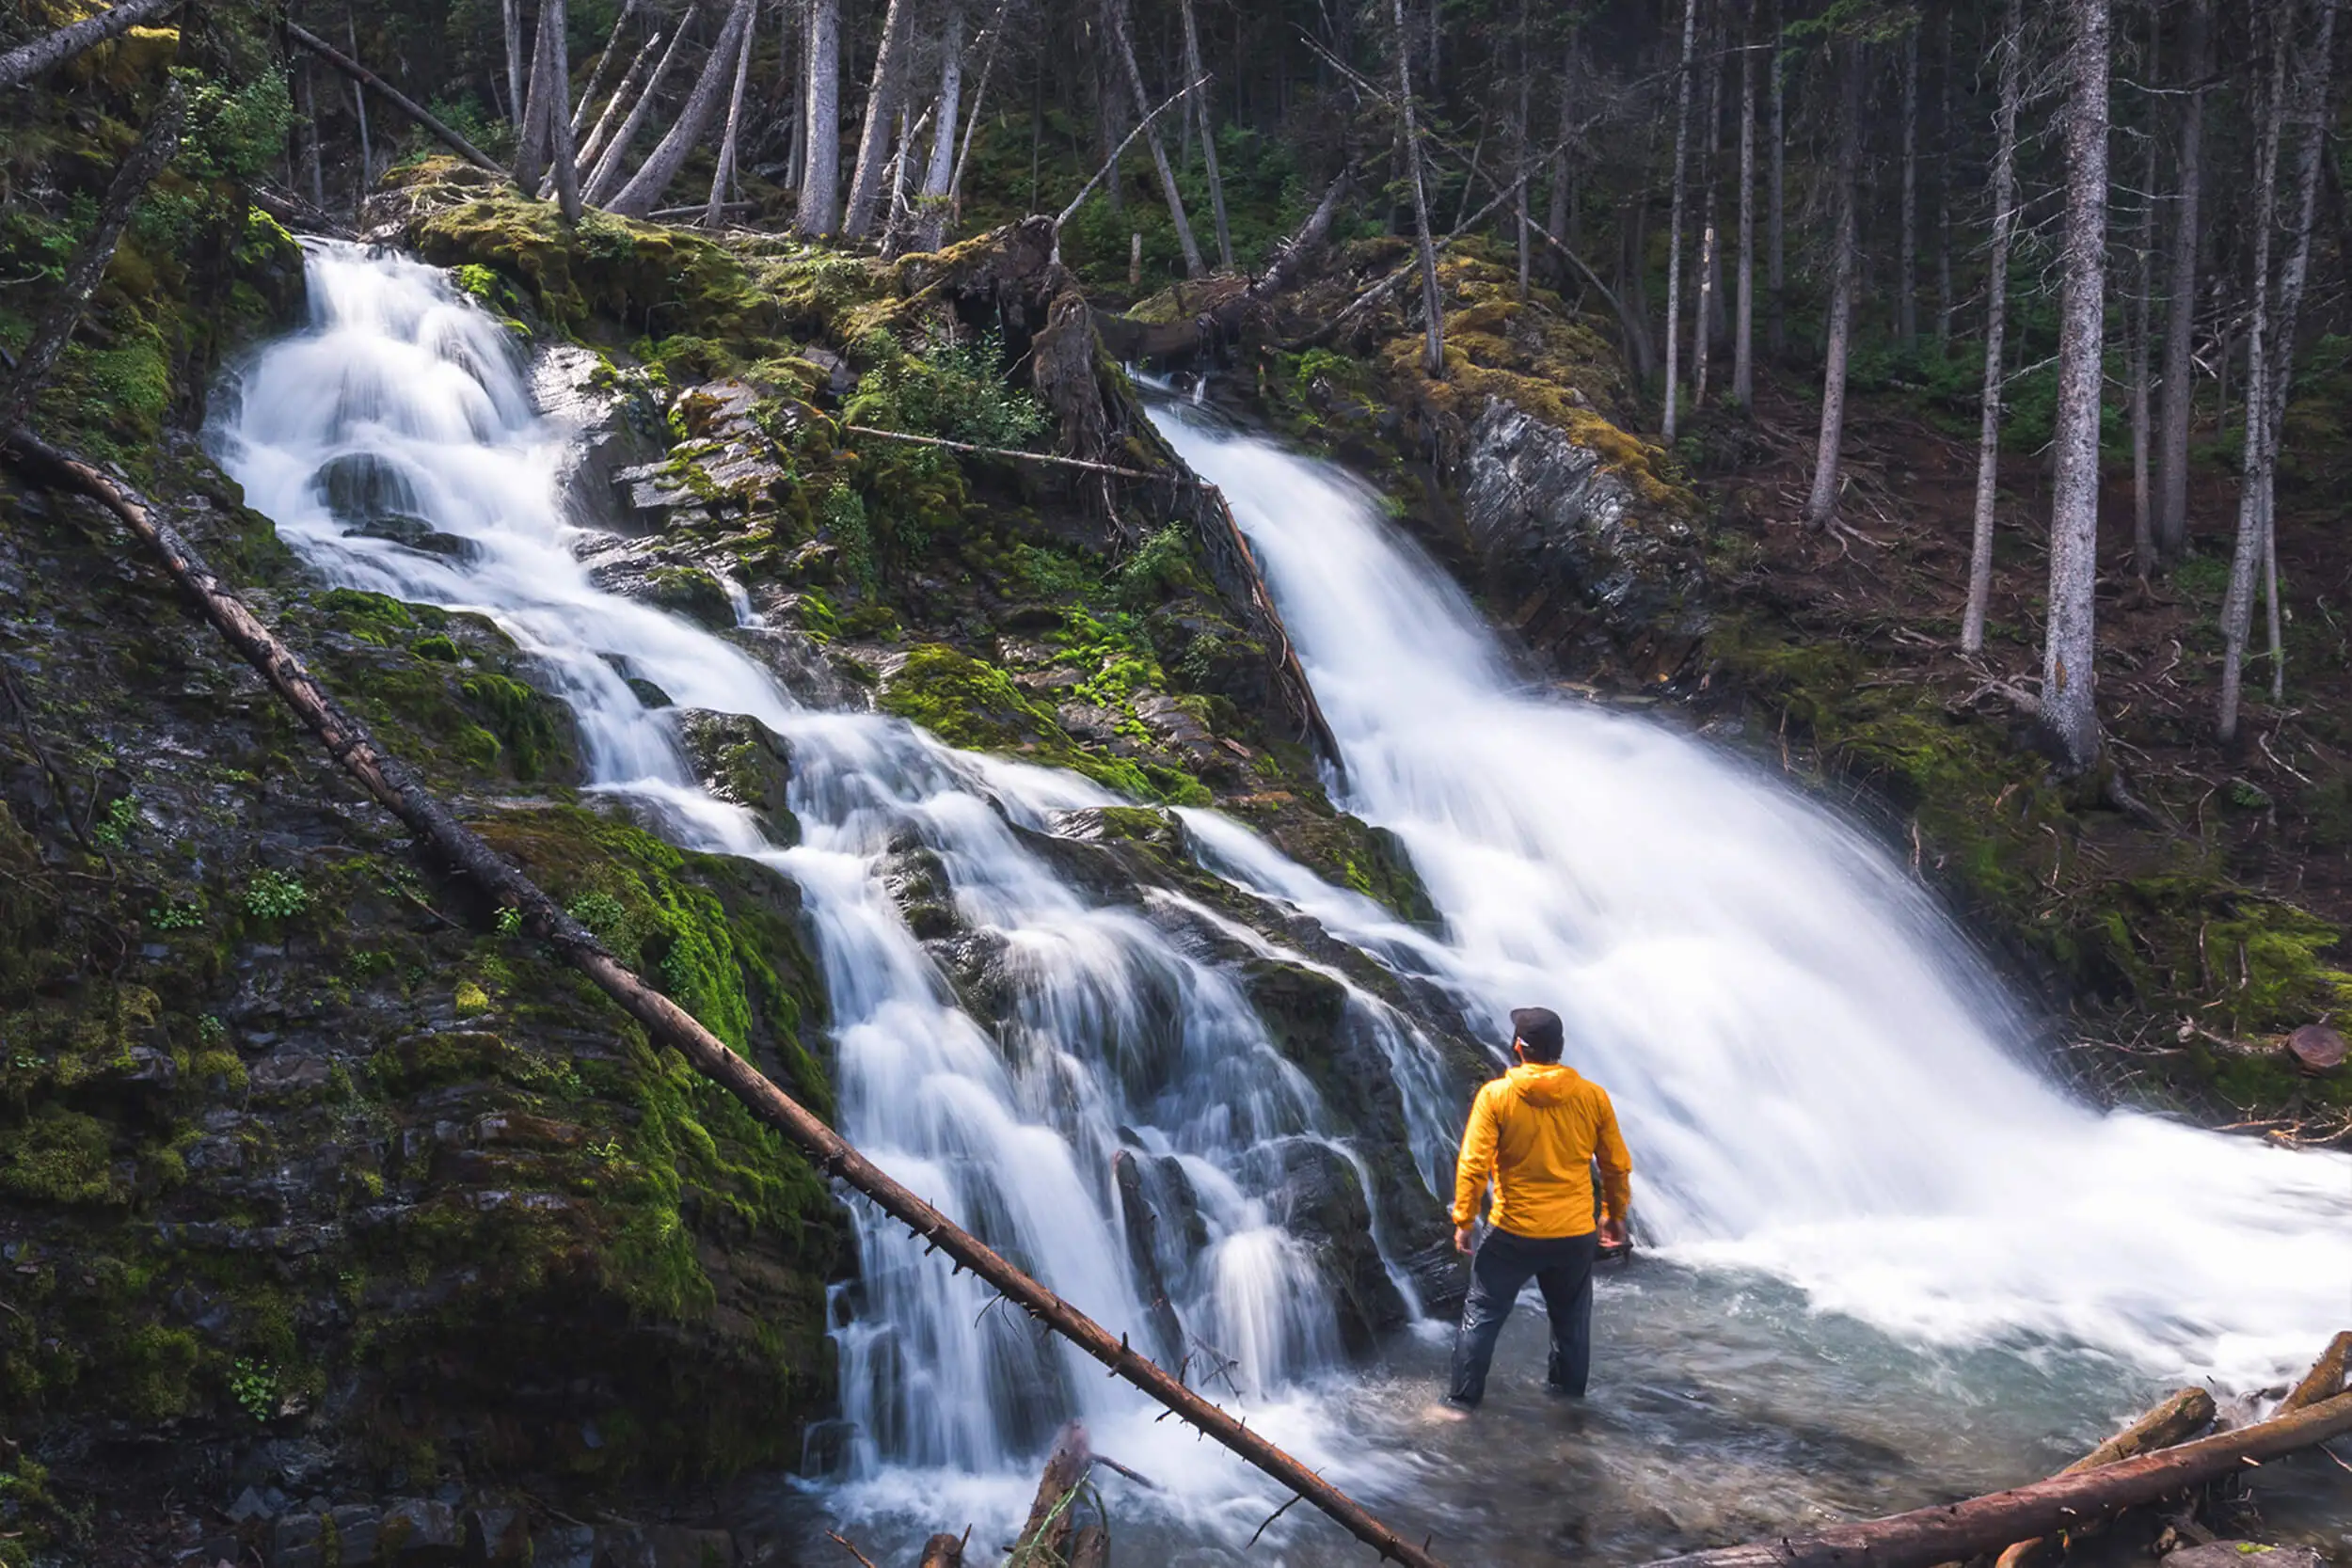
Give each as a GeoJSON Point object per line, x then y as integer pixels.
{"type": "Point", "coordinates": [1161, 566]}
{"type": "Point", "coordinates": [955, 391]}
{"type": "Point", "coordinates": [236, 131]}
{"type": "Point", "coordinates": [254, 1387]}
{"type": "Point", "coordinates": [272, 894]}
{"type": "Point", "coordinates": [438, 648]}
{"type": "Point", "coordinates": [843, 517]}
{"type": "Point", "coordinates": [113, 829]}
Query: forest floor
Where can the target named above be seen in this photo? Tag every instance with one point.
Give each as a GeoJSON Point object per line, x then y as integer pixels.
{"type": "Point", "coordinates": [2271, 817]}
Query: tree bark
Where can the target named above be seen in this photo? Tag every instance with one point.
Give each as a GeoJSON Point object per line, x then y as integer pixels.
{"type": "Point", "coordinates": [930, 223]}
{"type": "Point", "coordinates": [157, 143]}
{"type": "Point", "coordinates": [541, 93]}
{"type": "Point", "coordinates": [972, 122]}
{"type": "Point", "coordinates": [2237, 606]}
{"type": "Point", "coordinates": [2324, 1382]}
{"type": "Point", "coordinates": [500, 884]}
{"type": "Point", "coordinates": [1822, 504]}
{"type": "Point", "coordinates": [1943, 296]}
{"type": "Point", "coordinates": [1204, 105]}
{"type": "Point", "coordinates": [360, 109]}
{"type": "Point", "coordinates": [1432, 303]}
{"type": "Point", "coordinates": [1674, 234]}
{"type": "Point", "coordinates": [52, 50]}
{"type": "Point", "coordinates": [2177, 385]}
{"type": "Point", "coordinates": [1907, 253]}
{"type": "Point", "coordinates": [1518, 155]}
{"type": "Point", "coordinates": [305, 105]}
{"type": "Point", "coordinates": [1743, 310]}
{"type": "Point", "coordinates": [2012, 50]}
{"type": "Point", "coordinates": [517, 69]}
{"type": "Point", "coordinates": [362, 77]}
{"type": "Point", "coordinates": [644, 188]}
{"type": "Point", "coordinates": [562, 150]}
{"type": "Point", "coordinates": [1951, 1532]}
{"type": "Point", "coordinates": [632, 83]}
{"type": "Point", "coordinates": [610, 166]}
{"type": "Point", "coordinates": [724, 176]}
{"type": "Point", "coordinates": [2184, 1414]}
{"type": "Point", "coordinates": [873, 143]}
{"type": "Point", "coordinates": [1115, 13]}
{"type": "Point", "coordinates": [2138, 313]}
{"type": "Point", "coordinates": [820, 213]}
{"type": "Point", "coordinates": [2070, 712]}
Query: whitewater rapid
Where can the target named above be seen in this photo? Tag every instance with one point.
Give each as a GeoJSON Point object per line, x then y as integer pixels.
{"type": "Point", "coordinates": [1819, 1076]}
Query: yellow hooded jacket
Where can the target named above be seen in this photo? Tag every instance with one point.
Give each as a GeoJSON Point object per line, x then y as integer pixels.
{"type": "Point", "coordinates": [1536, 1131]}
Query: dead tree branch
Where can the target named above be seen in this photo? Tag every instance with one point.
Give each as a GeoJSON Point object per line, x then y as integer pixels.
{"type": "Point", "coordinates": [53, 50]}
{"type": "Point", "coordinates": [399, 100]}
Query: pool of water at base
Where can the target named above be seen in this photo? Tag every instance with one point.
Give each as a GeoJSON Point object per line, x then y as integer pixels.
{"type": "Point", "coordinates": [1722, 1409]}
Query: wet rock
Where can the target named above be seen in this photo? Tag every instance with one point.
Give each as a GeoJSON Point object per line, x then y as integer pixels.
{"type": "Point", "coordinates": [614, 425]}
{"type": "Point", "coordinates": [1578, 563]}
{"type": "Point", "coordinates": [422, 1531]}
{"type": "Point", "coordinates": [564, 1547]}
{"type": "Point", "coordinates": [743, 761]}
{"type": "Point", "coordinates": [418, 535]}
{"type": "Point", "coordinates": [299, 1541]}
{"type": "Point", "coordinates": [356, 1529]}
{"type": "Point", "coordinates": [289, 1077]}
{"type": "Point", "coordinates": [916, 881]}
{"type": "Point", "coordinates": [1320, 1200]}
{"type": "Point", "coordinates": [249, 1506]}
{"type": "Point", "coordinates": [497, 1536]}
{"type": "Point", "coordinates": [2243, 1554]}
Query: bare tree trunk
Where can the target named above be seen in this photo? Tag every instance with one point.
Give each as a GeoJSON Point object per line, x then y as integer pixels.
{"type": "Point", "coordinates": [1432, 303]}
{"type": "Point", "coordinates": [517, 70]}
{"type": "Point", "coordinates": [1204, 105]}
{"type": "Point", "coordinates": [2136, 312]}
{"type": "Point", "coordinates": [930, 223]}
{"type": "Point", "coordinates": [2238, 605]}
{"type": "Point", "coordinates": [361, 76]}
{"type": "Point", "coordinates": [1776, 267]}
{"type": "Point", "coordinates": [2070, 644]}
{"type": "Point", "coordinates": [1556, 206]}
{"type": "Point", "coordinates": [2177, 382]}
{"type": "Point", "coordinates": [1907, 253]}
{"type": "Point", "coordinates": [157, 143]}
{"type": "Point", "coordinates": [1116, 13]}
{"type": "Point", "coordinates": [1743, 310]}
{"type": "Point", "coordinates": [2312, 100]}
{"type": "Point", "coordinates": [1943, 296]}
{"type": "Point", "coordinates": [52, 50]}
{"type": "Point", "coordinates": [644, 188]}
{"type": "Point", "coordinates": [533, 137]}
{"type": "Point", "coordinates": [873, 144]}
{"type": "Point", "coordinates": [1673, 234]}
{"type": "Point", "coordinates": [1821, 505]}
{"type": "Point", "coordinates": [611, 168]}
{"type": "Point", "coordinates": [724, 176]}
{"type": "Point", "coordinates": [1712, 326]}
{"type": "Point", "coordinates": [604, 67]}
{"type": "Point", "coordinates": [555, 52]}
{"type": "Point", "coordinates": [306, 103]}
{"type": "Point", "coordinates": [632, 81]}
{"type": "Point", "coordinates": [972, 122]}
{"type": "Point", "coordinates": [2013, 48]}
{"type": "Point", "coordinates": [359, 106]}
{"type": "Point", "coordinates": [1518, 153]}
{"type": "Point", "coordinates": [819, 212]}
{"type": "Point", "coordinates": [792, 90]}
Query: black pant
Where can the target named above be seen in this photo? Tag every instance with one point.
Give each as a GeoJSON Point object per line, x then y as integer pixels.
{"type": "Point", "coordinates": [1562, 1267]}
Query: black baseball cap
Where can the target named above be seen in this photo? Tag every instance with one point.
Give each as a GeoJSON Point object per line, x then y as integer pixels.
{"type": "Point", "coordinates": [1539, 1029]}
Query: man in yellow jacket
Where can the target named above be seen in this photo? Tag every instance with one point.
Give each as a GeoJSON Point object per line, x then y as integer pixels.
{"type": "Point", "coordinates": [1537, 1132]}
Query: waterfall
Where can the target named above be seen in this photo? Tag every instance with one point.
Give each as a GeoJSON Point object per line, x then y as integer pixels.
{"type": "Point", "coordinates": [402, 396]}
{"type": "Point", "coordinates": [1821, 1085]}
{"type": "Point", "coordinates": [1817, 1076]}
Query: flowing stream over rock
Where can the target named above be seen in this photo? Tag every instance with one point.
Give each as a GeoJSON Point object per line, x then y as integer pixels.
{"type": "Point", "coordinates": [1869, 1213]}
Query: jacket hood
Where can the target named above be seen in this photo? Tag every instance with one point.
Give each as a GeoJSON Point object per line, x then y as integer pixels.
{"type": "Point", "coordinates": [1543, 1083]}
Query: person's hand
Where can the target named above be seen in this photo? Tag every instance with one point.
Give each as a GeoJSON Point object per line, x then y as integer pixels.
{"type": "Point", "coordinates": [1465, 1238]}
{"type": "Point", "coordinates": [1612, 1233]}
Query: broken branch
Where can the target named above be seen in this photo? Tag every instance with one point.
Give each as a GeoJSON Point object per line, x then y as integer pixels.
{"type": "Point", "coordinates": [399, 100]}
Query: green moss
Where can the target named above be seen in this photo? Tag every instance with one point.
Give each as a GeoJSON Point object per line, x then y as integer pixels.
{"type": "Point", "coordinates": [57, 1156]}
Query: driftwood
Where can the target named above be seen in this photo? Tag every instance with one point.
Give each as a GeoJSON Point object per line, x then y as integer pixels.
{"type": "Point", "coordinates": [52, 50]}
{"type": "Point", "coordinates": [942, 1551]}
{"type": "Point", "coordinates": [395, 787]}
{"type": "Point", "coordinates": [2187, 1412]}
{"type": "Point", "coordinates": [56, 324]}
{"type": "Point", "coordinates": [431, 123]}
{"type": "Point", "coordinates": [2325, 1381]}
{"type": "Point", "coordinates": [1951, 1532]}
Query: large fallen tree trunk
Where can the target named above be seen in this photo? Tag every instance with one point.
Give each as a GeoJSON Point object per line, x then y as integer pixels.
{"type": "Point", "coordinates": [2187, 1412]}
{"type": "Point", "coordinates": [52, 50]}
{"type": "Point", "coordinates": [1951, 1532]}
{"type": "Point", "coordinates": [431, 123]}
{"type": "Point", "coordinates": [2325, 1381]}
{"type": "Point", "coordinates": [398, 790]}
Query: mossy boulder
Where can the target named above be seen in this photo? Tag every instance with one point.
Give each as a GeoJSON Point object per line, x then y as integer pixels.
{"type": "Point", "coordinates": [743, 761]}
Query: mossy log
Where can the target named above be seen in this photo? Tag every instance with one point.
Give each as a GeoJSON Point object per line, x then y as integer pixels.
{"type": "Point", "coordinates": [52, 50]}
{"type": "Point", "coordinates": [1951, 1532]}
{"type": "Point", "coordinates": [2186, 1412]}
{"type": "Point", "coordinates": [500, 884]}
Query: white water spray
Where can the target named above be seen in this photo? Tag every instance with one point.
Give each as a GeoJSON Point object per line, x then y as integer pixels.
{"type": "Point", "coordinates": [1817, 1076]}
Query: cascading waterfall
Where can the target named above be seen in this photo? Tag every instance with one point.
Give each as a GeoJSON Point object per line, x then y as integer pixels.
{"type": "Point", "coordinates": [1813, 1070]}
{"type": "Point", "coordinates": [395, 445]}
{"type": "Point", "coordinates": [1816, 1074]}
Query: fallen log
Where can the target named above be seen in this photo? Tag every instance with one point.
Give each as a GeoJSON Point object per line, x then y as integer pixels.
{"type": "Point", "coordinates": [397, 788]}
{"type": "Point", "coordinates": [52, 50]}
{"type": "Point", "coordinates": [2188, 1411]}
{"type": "Point", "coordinates": [1951, 1532]}
{"type": "Point", "coordinates": [943, 1551]}
{"type": "Point", "coordinates": [88, 264]}
{"type": "Point", "coordinates": [431, 123]}
{"type": "Point", "coordinates": [1046, 1537]}
{"type": "Point", "coordinates": [2325, 1381]}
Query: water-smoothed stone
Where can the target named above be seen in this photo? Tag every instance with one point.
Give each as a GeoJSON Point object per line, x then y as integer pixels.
{"type": "Point", "coordinates": [1588, 573]}
{"type": "Point", "coordinates": [421, 1531]}
{"type": "Point", "coordinates": [743, 761]}
{"type": "Point", "coordinates": [613, 425]}
{"type": "Point", "coordinates": [1319, 1197]}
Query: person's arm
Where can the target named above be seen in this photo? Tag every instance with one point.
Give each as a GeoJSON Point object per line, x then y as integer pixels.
{"type": "Point", "coordinates": [1473, 1167]}
{"type": "Point", "coordinates": [1616, 1173]}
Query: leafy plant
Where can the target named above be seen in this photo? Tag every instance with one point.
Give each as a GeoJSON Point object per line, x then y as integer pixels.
{"type": "Point", "coordinates": [510, 921]}
{"type": "Point", "coordinates": [254, 1386]}
{"type": "Point", "coordinates": [114, 830]}
{"type": "Point", "coordinates": [271, 894]}
{"type": "Point", "coordinates": [177, 916]}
